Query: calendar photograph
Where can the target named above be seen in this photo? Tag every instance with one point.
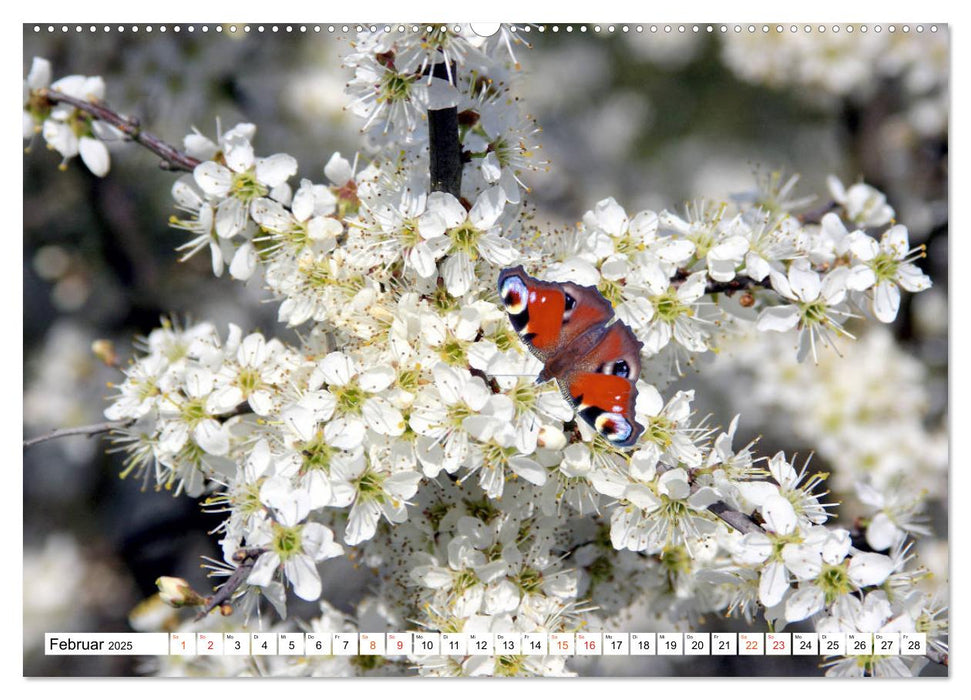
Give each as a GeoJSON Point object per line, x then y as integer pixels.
{"type": "Point", "coordinates": [395, 349]}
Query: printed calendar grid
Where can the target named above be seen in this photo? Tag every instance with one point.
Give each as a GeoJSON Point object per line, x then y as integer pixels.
{"type": "Point", "coordinates": [419, 643]}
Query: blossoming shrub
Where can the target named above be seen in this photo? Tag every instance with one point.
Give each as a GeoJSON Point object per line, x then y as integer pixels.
{"type": "Point", "coordinates": [406, 430]}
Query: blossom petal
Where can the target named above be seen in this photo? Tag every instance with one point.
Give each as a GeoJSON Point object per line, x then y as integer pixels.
{"type": "Point", "coordinates": [649, 400]}
{"type": "Point", "coordinates": [244, 262]}
{"type": "Point", "coordinates": [376, 379]}
{"type": "Point", "coordinates": [362, 522]}
{"type": "Point", "coordinates": [674, 484]}
{"type": "Point", "coordinates": [896, 241]}
{"type": "Point", "coordinates": [882, 533]}
{"type": "Point", "coordinates": [835, 546]}
{"type": "Point", "coordinates": [610, 217]}
{"type": "Point", "coordinates": [421, 259]}
{"type": "Point", "coordinates": [643, 463]}
{"type": "Point", "coordinates": [487, 208]}
{"type": "Point", "coordinates": [230, 218]}
{"type": "Point", "coordinates": [498, 250]}
{"type": "Point", "coordinates": [675, 250]}
{"type": "Point", "coordinates": [276, 169]}
{"type": "Point", "coordinates": [803, 603]}
{"type": "Point", "coordinates": [337, 368]}
{"type": "Point", "coordinates": [644, 226]}
{"type": "Point", "coordinates": [95, 155]}
{"type": "Point", "coordinates": [459, 273]}
{"type": "Point", "coordinates": [886, 301]}
{"type": "Point", "coordinates": [491, 171]}
{"type": "Point", "coordinates": [302, 573]}
{"type": "Point", "coordinates": [301, 421]}
{"type": "Point", "coordinates": [773, 584]}
{"type": "Point", "coordinates": [61, 138]}
{"type": "Point", "coordinates": [863, 246]}
{"type": "Point", "coordinates": [318, 542]}
{"type": "Point", "coordinates": [224, 399]}
{"type": "Point", "coordinates": [802, 561]}
{"type": "Point", "coordinates": [861, 278]}
{"type": "Point", "coordinates": [804, 280]}
{"type": "Point", "coordinates": [302, 205]}
{"type": "Point", "coordinates": [528, 469]}
{"type": "Point", "coordinates": [345, 433]}
{"type": "Point", "coordinates": [447, 207]}
{"type": "Point", "coordinates": [324, 228]}
{"type": "Point", "coordinates": [756, 266]}
{"type": "Point", "coordinates": [778, 318]}
{"type": "Point", "coordinates": [212, 436]}
{"type": "Point", "coordinates": [869, 568]}
{"type": "Point", "coordinates": [338, 170]}
{"type": "Point", "coordinates": [692, 288]}
{"type": "Point", "coordinates": [382, 417]}
{"type": "Point", "coordinates": [213, 178]}
{"type": "Point", "coordinates": [754, 548]}
{"type": "Point", "coordinates": [40, 74]}
{"type": "Point", "coordinates": [910, 277]}
{"type": "Point", "coordinates": [779, 516]}
{"type": "Point", "coordinates": [264, 569]}
{"type": "Point", "coordinates": [642, 497]}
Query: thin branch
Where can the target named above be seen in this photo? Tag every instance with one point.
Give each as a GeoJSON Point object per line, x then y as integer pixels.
{"type": "Point", "coordinates": [444, 149]}
{"type": "Point", "coordinates": [814, 216]}
{"type": "Point", "coordinates": [938, 657]}
{"type": "Point", "coordinates": [247, 560]}
{"type": "Point", "coordinates": [741, 283]}
{"type": "Point", "coordinates": [86, 430]}
{"type": "Point", "coordinates": [172, 158]}
{"type": "Point", "coordinates": [737, 519]}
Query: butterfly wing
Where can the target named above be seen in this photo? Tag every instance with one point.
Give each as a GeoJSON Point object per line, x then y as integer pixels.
{"type": "Point", "coordinates": [595, 365]}
{"type": "Point", "coordinates": [601, 385]}
{"type": "Point", "coordinates": [549, 316]}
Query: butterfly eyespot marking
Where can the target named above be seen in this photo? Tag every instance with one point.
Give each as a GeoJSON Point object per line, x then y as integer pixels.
{"type": "Point", "coordinates": [569, 304]}
{"type": "Point", "coordinates": [514, 295]}
{"type": "Point", "coordinates": [613, 426]}
{"type": "Point", "coordinates": [620, 368]}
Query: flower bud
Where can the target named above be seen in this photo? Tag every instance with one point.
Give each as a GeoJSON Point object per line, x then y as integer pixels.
{"type": "Point", "coordinates": [177, 592]}
{"type": "Point", "coordinates": [551, 438]}
{"type": "Point", "coordinates": [104, 350]}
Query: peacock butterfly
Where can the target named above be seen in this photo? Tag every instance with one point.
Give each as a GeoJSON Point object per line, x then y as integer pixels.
{"type": "Point", "coordinates": [595, 364]}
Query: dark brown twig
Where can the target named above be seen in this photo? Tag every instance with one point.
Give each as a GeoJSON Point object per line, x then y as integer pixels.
{"type": "Point", "coordinates": [247, 560]}
{"type": "Point", "coordinates": [172, 158]}
{"type": "Point", "coordinates": [444, 149]}
{"type": "Point", "coordinates": [739, 284]}
{"type": "Point", "coordinates": [737, 519]}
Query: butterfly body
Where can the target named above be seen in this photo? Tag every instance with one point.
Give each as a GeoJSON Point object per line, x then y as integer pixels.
{"type": "Point", "coordinates": [595, 363]}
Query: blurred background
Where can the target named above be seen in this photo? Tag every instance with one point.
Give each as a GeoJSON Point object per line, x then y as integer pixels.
{"type": "Point", "coordinates": [652, 118]}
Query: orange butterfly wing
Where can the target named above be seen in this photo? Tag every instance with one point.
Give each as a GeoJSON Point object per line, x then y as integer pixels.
{"type": "Point", "coordinates": [601, 385]}
{"type": "Point", "coordinates": [550, 315]}
{"type": "Point", "coordinates": [595, 365]}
